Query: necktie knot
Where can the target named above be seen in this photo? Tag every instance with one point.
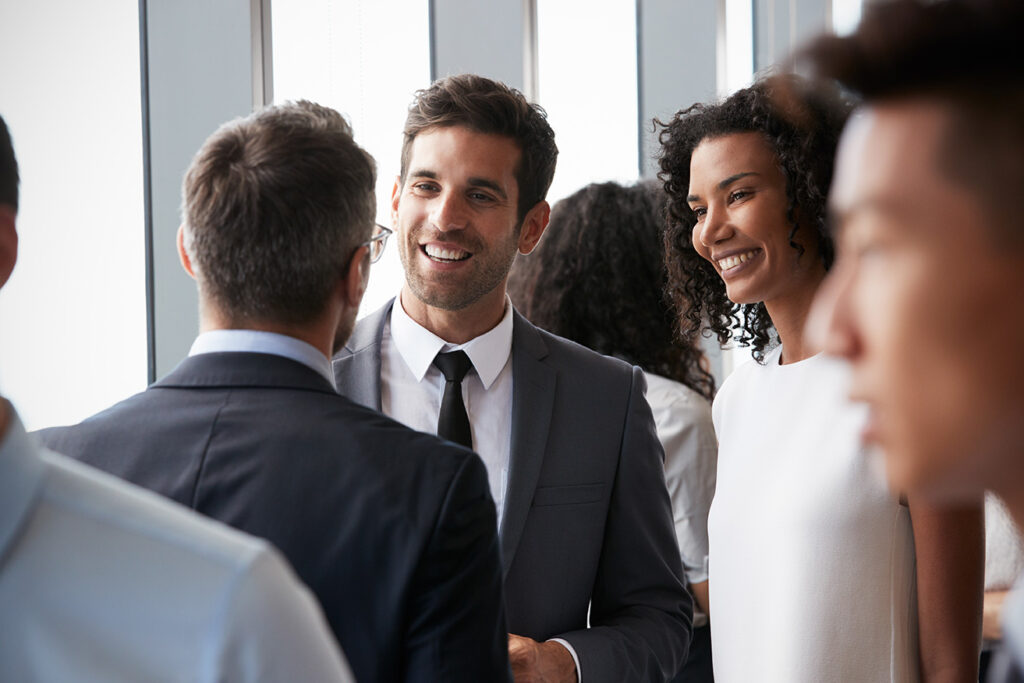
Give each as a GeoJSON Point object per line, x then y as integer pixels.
{"type": "Point", "coordinates": [453, 365]}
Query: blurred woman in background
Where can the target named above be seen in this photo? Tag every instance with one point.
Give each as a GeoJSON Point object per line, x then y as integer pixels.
{"type": "Point", "coordinates": [598, 278]}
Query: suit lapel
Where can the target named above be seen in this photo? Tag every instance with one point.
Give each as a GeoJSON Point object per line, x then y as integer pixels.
{"type": "Point", "coordinates": [357, 366]}
{"type": "Point", "coordinates": [533, 395]}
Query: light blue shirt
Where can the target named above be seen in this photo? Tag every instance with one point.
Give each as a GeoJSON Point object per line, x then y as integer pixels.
{"type": "Point", "coordinates": [257, 341]}
{"type": "Point", "coordinates": [104, 581]}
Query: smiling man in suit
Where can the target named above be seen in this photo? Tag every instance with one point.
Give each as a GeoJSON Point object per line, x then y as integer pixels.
{"type": "Point", "coordinates": [568, 439]}
{"type": "Point", "coordinates": [394, 530]}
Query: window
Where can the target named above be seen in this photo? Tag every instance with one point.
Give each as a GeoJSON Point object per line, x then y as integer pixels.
{"type": "Point", "coordinates": [846, 15]}
{"type": "Point", "coordinates": [736, 70]}
{"type": "Point", "coordinates": [365, 59]}
{"type": "Point", "coordinates": [587, 82]}
{"type": "Point", "coordinates": [74, 312]}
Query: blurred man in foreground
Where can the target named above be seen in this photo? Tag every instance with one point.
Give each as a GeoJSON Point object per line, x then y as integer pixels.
{"type": "Point", "coordinates": [925, 299]}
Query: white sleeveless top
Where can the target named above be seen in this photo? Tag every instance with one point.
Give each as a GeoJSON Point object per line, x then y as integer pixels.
{"type": "Point", "coordinates": [811, 559]}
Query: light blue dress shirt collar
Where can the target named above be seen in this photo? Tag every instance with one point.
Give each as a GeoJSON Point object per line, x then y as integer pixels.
{"type": "Point", "coordinates": [257, 341]}
{"type": "Point", "coordinates": [418, 346]}
{"type": "Point", "coordinates": [21, 479]}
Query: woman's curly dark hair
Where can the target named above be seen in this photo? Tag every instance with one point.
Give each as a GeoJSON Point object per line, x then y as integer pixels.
{"type": "Point", "coordinates": [598, 278]}
{"type": "Point", "coordinates": [802, 122]}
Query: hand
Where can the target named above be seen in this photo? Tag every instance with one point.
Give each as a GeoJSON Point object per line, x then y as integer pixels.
{"type": "Point", "coordinates": [534, 662]}
{"type": "Point", "coordinates": [991, 619]}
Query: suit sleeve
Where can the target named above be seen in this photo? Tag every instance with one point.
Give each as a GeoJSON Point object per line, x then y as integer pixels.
{"type": "Point", "coordinates": [641, 613]}
{"type": "Point", "coordinates": [457, 629]}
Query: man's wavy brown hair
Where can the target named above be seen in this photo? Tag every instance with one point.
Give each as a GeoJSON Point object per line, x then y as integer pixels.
{"type": "Point", "coordinates": [486, 106]}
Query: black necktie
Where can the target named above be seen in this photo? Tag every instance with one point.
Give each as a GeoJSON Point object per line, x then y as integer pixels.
{"type": "Point", "coordinates": [453, 422]}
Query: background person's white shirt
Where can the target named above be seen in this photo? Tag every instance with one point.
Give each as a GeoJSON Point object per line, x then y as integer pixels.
{"type": "Point", "coordinates": [682, 418]}
{"type": "Point", "coordinates": [103, 581]}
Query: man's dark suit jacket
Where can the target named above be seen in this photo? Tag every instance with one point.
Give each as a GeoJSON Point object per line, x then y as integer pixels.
{"type": "Point", "coordinates": [588, 522]}
{"type": "Point", "coordinates": [392, 529]}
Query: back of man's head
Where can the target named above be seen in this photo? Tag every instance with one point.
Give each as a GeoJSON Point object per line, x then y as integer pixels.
{"type": "Point", "coordinates": [274, 206]}
{"type": "Point", "coordinates": [965, 56]}
{"type": "Point", "coordinates": [489, 107]}
{"type": "Point", "coordinates": [8, 169]}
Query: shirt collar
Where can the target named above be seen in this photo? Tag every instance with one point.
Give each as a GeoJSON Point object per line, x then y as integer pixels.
{"type": "Point", "coordinates": [258, 341]}
{"type": "Point", "coordinates": [418, 346]}
{"type": "Point", "coordinates": [21, 479]}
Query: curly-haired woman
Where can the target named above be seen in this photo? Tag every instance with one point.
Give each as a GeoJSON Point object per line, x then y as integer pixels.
{"type": "Point", "coordinates": [817, 571]}
{"type": "Point", "coordinates": [598, 278]}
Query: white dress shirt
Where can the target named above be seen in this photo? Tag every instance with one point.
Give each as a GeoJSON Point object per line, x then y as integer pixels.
{"type": "Point", "coordinates": [411, 387]}
{"type": "Point", "coordinates": [104, 581]}
{"type": "Point", "coordinates": [257, 341]}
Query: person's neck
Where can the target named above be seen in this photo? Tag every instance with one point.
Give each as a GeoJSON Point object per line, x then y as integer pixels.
{"type": "Point", "coordinates": [5, 417]}
{"type": "Point", "coordinates": [789, 317]}
{"type": "Point", "coordinates": [319, 334]}
{"type": "Point", "coordinates": [456, 327]}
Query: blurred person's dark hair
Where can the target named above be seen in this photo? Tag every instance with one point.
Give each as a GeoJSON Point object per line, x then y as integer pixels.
{"type": "Point", "coordinates": [275, 204]}
{"type": "Point", "coordinates": [8, 168]}
{"type": "Point", "coordinates": [966, 55]}
{"type": "Point", "coordinates": [486, 106]}
{"type": "Point", "coordinates": [598, 278]}
{"type": "Point", "coordinates": [801, 121]}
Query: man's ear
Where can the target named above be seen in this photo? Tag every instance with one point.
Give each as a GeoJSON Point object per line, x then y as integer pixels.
{"type": "Point", "coordinates": [396, 195]}
{"type": "Point", "coordinates": [357, 276]}
{"type": "Point", "coordinates": [534, 225]}
{"type": "Point", "coordinates": [186, 262]}
{"type": "Point", "coordinates": [8, 242]}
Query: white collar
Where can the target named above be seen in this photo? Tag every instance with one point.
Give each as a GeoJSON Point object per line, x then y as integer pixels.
{"type": "Point", "coordinates": [418, 346]}
{"type": "Point", "coordinates": [258, 341]}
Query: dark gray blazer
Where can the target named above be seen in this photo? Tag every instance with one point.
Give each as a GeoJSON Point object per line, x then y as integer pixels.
{"type": "Point", "coordinates": [588, 522]}
{"type": "Point", "coordinates": [393, 530]}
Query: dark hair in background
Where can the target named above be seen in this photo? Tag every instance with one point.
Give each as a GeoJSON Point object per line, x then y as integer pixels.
{"type": "Point", "coordinates": [8, 168]}
{"type": "Point", "coordinates": [490, 107]}
{"type": "Point", "coordinates": [275, 204]}
{"type": "Point", "coordinates": [598, 278]}
{"type": "Point", "coordinates": [801, 122]}
{"type": "Point", "coordinates": [966, 55]}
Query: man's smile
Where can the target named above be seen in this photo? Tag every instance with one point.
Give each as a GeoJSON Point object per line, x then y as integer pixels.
{"type": "Point", "coordinates": [444, 253]}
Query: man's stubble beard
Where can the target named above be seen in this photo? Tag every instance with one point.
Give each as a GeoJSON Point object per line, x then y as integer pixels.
{"type": "Point", "coordinates": [482, 281]}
